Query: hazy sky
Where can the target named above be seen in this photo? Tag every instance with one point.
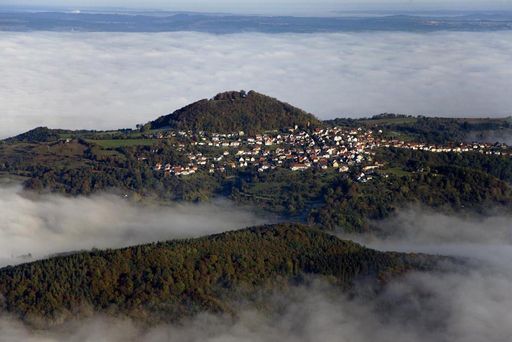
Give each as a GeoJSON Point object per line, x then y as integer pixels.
{"type": "Point", "coordinates": [269, 6]}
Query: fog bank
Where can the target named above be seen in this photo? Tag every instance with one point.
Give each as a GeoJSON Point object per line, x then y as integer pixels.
{"type": "Point", "coordinates": [55, 224]}
{"type": "Point", "coordinates": [114, 80]}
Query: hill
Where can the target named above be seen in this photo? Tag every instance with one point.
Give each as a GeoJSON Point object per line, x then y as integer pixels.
{"type": "Point", "coordinates": [39, 134]}
{"type": "Point", "coordinates": [174, 279]}
{"type": "Point", "coordinates": [237, 111]}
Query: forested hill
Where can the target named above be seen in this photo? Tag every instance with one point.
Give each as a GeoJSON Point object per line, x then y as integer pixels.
{"type": "Point", "coordinates": [173, 279]}
{"type": "Point", "coordinates": [237, 111]}
{"type": "Point", "coordinates": [39, 134]}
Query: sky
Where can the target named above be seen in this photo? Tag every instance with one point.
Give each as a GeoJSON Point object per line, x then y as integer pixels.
{"type": "Point", "coordinates": [303, 7]}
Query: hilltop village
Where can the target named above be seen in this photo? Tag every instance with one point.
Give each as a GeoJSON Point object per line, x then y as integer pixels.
{"type": "Point", "coordinates": [339, 148]}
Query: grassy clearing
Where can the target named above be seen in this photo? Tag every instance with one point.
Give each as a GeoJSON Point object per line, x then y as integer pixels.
{"type": "Point", "coordinates": [391, 121]}
{"type": "Point", "coordinates": [115, 143]}
{"type": "Point", "coordinates": [396, 171]}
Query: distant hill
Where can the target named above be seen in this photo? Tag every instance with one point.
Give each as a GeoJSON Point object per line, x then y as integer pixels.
{"type": "Point", "coordinates": [39, 134]}
{"type": "Point", "coordinates": [227, 24]}
{"type": "Point", "coordinates": [237, 111]}
{"type": "Point", "coordinates": [178, 278]}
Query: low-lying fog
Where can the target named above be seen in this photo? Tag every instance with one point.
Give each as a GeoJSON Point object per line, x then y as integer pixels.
{"type": "Point", "coordinates": [54, 224]}
{"type": "Point", "coordinates": [487, 240]}
{"type": "Point", "coordinates": [470, 303]}
{"type": "Point", "coordinates": [113, 80]}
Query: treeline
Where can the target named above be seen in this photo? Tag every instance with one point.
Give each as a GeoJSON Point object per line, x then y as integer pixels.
{"type": "Point", "coordinates": [172, 279]}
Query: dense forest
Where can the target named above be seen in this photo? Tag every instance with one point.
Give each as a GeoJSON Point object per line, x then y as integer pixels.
{"type": "Point", "coordinates": [169, 280]}
{"type": "Point", "coordinates": [237, 111]}
{"type": "Point", "coordinates": [352, 206]}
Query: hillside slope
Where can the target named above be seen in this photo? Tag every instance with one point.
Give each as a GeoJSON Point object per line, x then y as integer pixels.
{"type": "Point", "coordinates": [236, 111]}
{"type": "Point", "coordinates": [177, 278]}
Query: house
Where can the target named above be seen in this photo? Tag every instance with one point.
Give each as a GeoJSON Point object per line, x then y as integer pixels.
{"type": "Point", "coordinates": [372, 167]}
{"type": "Point", "coordinates": [298, 167]}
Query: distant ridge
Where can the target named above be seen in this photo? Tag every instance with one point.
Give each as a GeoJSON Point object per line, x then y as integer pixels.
{"type": "Point", "coordinates": [237, 111]}
{"type": "Point", "coordinates": [226, 24]}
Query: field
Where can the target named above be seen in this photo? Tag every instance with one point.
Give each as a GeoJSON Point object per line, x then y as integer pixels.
{"type": "Point", "coordinates": [389, 121]}
{"type": "Point", "coordinates": [115, 143]}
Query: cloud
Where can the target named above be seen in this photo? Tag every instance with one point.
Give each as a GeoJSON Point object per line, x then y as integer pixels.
{"type": "Point", "coordinates": [106, 80]}
{"type": "Point", "coordinates": [486, 240]}
{"type": "Point", "coordinates": [425, 226]}
{"type": "Point", "coordinates": [55, 224]}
